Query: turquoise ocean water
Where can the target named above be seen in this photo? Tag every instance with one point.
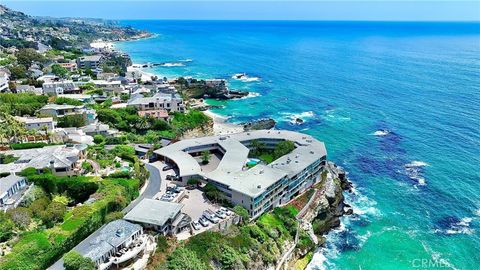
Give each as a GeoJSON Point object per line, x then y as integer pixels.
{"type": "Point", "coordinates": [397, 104]}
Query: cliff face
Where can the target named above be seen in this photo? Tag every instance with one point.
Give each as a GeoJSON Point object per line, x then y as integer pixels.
{"type": "Point", "coordinates": [325, 213]}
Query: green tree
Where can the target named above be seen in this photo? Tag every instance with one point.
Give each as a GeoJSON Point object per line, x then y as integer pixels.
{"type": "Point", "coordinates": [229, 258]}
{"type": "Point", "coordinates": [26, 57]}
{"type": "Point", "coordinates": [113, 216]}
{"type": "Point", "coordinates": [184, 259]}
{"type": "Point", "coordinates": [74, 261]}
{"type": "Point", "coordinates": [98, 139]}
{"type": "Point", "coordinates": [53, 214]}
{"type": "Point", "coordinates": [39, 205]}
{"type": "Point", "coordinates": [283, 148]}
{"type": "Point", "coordinates": [21, 216]}
{"type": "Point", "coordinates": [257, 147]}
{"type": "Point", "coordinates": [68, 101]}
{"type": "Point", "coordinates": [205, 157]}
{"type": "Point", "coordinates": [74, 120]}
{"type": "Point", "coordinates": [6, 227]}
{"type": "Point", "coordinates": [18, 72]}
{"type": "Point", "coordinates": [242, 212]}
{"type": "Point", "coordinates": [59, 70]}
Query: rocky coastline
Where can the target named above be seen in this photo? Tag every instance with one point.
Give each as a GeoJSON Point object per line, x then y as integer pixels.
{"type": "Point", "coordinates": [326, 206]}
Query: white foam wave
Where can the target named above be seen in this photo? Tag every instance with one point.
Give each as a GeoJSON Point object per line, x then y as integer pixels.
{"type": "Point", "coordinates": [173, 64]}
{"type": "Point", "coordinates": [298, 118]}
{"type": "Point", "coordinates": [381, 133]}
{"type": "Point", "coordinates": [414, 170]}
{"type": "Point", "coordinates": [186, 60]}
{"type": "Point", "coordinates": [461, 227]}
{"type": "Point", "coordinates": [332, 116]}
{"type": "Point", "coordinates": [417, 163]}
{"type": "Point", "coordinates": [251, 95]}
{"type": "Point", "coordinates": [243, 77]}
{"type": "Point", "coordinates": [477, 212]}
{"type": "Point", "coordinates": [318, 261]}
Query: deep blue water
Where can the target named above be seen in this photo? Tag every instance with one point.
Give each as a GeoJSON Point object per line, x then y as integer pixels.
{"type": "Point", "coordinates": [397, 104]}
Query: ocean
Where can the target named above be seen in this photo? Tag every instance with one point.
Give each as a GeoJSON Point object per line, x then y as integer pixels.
{"type": "Point", "coordinates": [397, 105]}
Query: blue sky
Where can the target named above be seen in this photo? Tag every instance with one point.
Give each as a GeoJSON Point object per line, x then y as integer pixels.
{"type": "Point", "coordinates": [386, 10]}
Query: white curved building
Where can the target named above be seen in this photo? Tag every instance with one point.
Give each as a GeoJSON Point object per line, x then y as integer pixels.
{"type": "Point", "coordinates": [262, 187]}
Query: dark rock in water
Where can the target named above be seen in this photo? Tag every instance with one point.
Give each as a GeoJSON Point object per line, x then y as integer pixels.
{"type": "Point", "coordinates": [231, 94]}
{"type": "Point", "coordinates": [348, 211]}
{"type": "Point", "coordinates": [259, 124]}
{"type": "Point", "coordinates": [299, 121]}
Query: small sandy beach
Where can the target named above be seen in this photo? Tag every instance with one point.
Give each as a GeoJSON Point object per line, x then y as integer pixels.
{"type": "Point", "coordinates": [220, 125]}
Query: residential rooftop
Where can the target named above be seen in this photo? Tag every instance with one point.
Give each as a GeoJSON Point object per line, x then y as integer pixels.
{"type": "Point", "coordinates": [7, 182]}
{"type": "Point", "coordinates": [154, 212]}
{"type": "Point", "coordinates": [91, 58]}
{"type": "Point", "coordinates": [107, 238]}
{"type": "Point", "coordinates": [39, 158]}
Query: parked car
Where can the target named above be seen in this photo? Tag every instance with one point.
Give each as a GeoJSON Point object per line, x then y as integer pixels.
{"type": "Point", "coordinates": [203, 221]}
{"type": "Point", "coordinates": [210, 216]}
{"type": "Point", "coordinates": [171, 177]}
{"type": "Point", "coordinates": [226, 211]}
{"type": "Point", "coordinates": [196, 225]}
{"type": "Point", "coordinates": [167, 167]}
{"type": "Point", "coordinates": [220, 214]}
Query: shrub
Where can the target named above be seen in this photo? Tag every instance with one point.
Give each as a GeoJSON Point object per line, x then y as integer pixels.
{"type": "Point", "coordinates": [21, 216]}
{"type": "Point", "coordinates": [98, 139]}
{"type": "Point", "coordinates": [184, 259]}
{"type": "Point", "coordinates": [87, 167]}
{"type": "Point", "coordinates": [68, 101]}
{"type": "Point", "coordinates": [21, 146]}
{"type": "Point", "coordinates": [113, 216]}
{"type": "Point", "coordinates": [6, 227]}
{"type": "Point", "coordinates": [162, 243]}
{"type": "Point", "coordinates": [53, 214]}
{"type": "Point", "coordinates": [6, 159]}
{"type": "Point", "coordinates": [74, 261]}
{"type": "Point", "coordinates": [74, 120]}
{"type": "Point", "coordinates": [39, 205]}
{"type": "Point", "coordinates": [283, 148]}
{"type": "Point", "coordinates": [242, 212]}
{"type": "Point", "coordinates": [120, 174]}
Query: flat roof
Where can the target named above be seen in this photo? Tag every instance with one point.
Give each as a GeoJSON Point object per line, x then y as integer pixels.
{"type": "Point", "coordinates": [230, 169]}
{"type": "Point", "coordinates": [93, 58]}
{"type": "Point", "coordinates": [154, 212]}
{"type": "Point", "coordinates": [34, 120]}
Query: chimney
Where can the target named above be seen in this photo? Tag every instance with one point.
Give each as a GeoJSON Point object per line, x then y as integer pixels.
{"type": "Point", "coordinates": [52, 166]}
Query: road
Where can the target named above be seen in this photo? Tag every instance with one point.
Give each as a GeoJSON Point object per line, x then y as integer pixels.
{"type": "Point", "coordinates": [152, 188]}
{"type": "Point", "coordinates": [153, 185]}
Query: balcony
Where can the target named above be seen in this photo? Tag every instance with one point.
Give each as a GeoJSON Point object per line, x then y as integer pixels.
{"type": "Point", "coordinates": [131, 251]}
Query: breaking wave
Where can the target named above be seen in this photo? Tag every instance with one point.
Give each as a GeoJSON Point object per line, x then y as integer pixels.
{"type": "Point", "coordinates": [297, 118]}
{"type": "Point", "coordinates": [452, 225]}
{"type": "Point", "coordinates": [243, 77]}
{"type": "Point", "coordinates": [381, 133]}
{"type": "Point", "coordinates": [172, 64]}
{"type": "Point", "coordinates": [415, 170]}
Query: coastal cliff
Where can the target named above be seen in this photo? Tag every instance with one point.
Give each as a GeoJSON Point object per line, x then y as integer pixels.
{"type": "Point", "coordinates": [284, 238]}
{"type": "Point", "coordinates": [321, 215]}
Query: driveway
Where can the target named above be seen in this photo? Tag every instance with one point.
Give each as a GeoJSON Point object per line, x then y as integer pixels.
{"type": "Point", "coordinates": [153, 185]}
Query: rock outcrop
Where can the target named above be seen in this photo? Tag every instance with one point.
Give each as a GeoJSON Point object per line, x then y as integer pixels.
{"type": "Point", "coordinates": [267, 123]}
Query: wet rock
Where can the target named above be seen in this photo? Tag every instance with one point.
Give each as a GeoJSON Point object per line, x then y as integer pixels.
{"type": "Point", "coordinates": [259, 124]}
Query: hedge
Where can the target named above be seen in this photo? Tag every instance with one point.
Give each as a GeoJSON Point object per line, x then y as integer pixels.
{"type": "Point", "coordinates": [20, 146]}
